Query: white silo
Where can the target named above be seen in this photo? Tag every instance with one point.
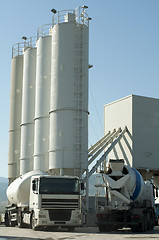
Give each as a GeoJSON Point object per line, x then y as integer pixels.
{"type": "Point", "coordinates": [15, 112]}
{"type": "Point", "coordinates": [42, 104]}
{"type": "Point", "coordinates": [69, 94]}
{"type": "Point", "coordinates": [28, 110]}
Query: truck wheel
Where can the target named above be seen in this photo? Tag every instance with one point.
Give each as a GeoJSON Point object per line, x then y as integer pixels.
{"type": "Point", "coordinates": [133, 228]}
{"type": "Point", "coordinates": [12, 223]}
{"type": "Point", "coordinates": [20, 220]}
{"type": "Point", "coordinates": [102, 228]}
{"type": "Point", "coordinates": [33, 222]}
{"type": "Point", "coordinates": [70, 229]}
{"type": "Point", "coordinates": [105, 228]}
{"type": "Point", "coordinates": [6, 219]}
{"type": "Point", "coordinates": [141, 227]}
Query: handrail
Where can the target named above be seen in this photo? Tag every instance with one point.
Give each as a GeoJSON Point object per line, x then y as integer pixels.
{"type": "Point", "coordinates": [81, 16]}
{"type": "Point", "coordinates": [44, 30]}
{"type": "Point", "coordinates": [18, 48]}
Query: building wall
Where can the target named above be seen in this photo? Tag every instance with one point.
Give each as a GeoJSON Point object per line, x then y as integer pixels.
{"type": "Point", "coordinates": [119, 114]}
{"type": "Point", "coordinates": [139, 148]}
{"type": "Point", "coordinates": [145, 132]}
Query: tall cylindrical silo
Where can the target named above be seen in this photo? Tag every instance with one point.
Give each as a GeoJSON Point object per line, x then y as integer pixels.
{"type": "Point", "coordinates": [15, 117]}
{"type": "Point", "coordinates": [42, 104]}
{"type": "Point", "coordinates": [28, 110]}
{"type": "Point", "coordinates": [69, 98]}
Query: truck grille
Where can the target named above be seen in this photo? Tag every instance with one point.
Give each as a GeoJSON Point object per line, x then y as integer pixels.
{"type": "Point", "coordinates": [60, 215]}
{"type": "Point", "coordinates": [59, 203]}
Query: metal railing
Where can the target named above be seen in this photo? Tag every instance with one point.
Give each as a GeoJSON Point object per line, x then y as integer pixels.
{"type": "Point", "coordinates": [19, 48]}
{"type": "Point", "coordinates": [81, 16]}
{"type": "Point", "coordinates": [44, 30]}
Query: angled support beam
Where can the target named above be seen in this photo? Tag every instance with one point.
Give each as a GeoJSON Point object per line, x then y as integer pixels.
{"type": "Point", "coordinates": [91, 149]}
{"type": "Point", "coordinates": [113, 135]}
{"type": "Point", "coordinates": [106, 153]}
{"type": "Point", "coordinates": [101, 142]}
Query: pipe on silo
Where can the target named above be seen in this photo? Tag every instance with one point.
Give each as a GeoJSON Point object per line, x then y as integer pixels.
{"type": "Point", "coordinates": [15, 117]}
{"type": "Point", "coordinates": [28, 111]}
{"type": "Point", "coordinates": [69, 98]}
{"type": "Point", "coordinates": [42, 104]}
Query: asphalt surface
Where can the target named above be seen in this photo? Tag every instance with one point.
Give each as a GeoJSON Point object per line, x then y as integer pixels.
{"type": "Point", "coordinates": [88, 233]}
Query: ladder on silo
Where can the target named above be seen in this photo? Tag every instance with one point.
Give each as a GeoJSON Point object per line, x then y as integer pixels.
{"type": "Point", "coordinates": [78, 100]}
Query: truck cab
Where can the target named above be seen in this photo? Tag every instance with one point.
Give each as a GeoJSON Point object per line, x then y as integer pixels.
{"type": "Point", "coordinates": [55, 201]}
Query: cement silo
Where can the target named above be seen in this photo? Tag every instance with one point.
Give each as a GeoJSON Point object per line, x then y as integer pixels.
{"type": "Point", "coordinates": [28, 110]}
{"type": "Point", "coordinates": [15, 111]}
{"type": "Point", "coordinates": [69, 94]}
{"type": "Point", "coordinates": [42, 102]}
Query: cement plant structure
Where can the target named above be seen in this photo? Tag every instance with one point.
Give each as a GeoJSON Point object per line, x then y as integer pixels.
{"type": "Point", "coordinates": [49, 98]}
{"type": "Point", "coordinates": [49, 109]}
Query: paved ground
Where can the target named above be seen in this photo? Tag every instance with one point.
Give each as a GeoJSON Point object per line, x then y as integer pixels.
{"type": "Point", "coordinates": [79, 233]}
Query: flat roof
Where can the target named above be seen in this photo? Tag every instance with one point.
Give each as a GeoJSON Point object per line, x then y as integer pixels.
{"type": "Point", "coordinates": [129, 96]}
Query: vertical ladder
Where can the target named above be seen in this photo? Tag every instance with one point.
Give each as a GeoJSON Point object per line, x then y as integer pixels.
{"type": "Point", "coordinates": [78, 78]}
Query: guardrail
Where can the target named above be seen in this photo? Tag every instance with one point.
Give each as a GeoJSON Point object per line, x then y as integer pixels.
{"type": "Point", "coordinates": [44, 30]}
{"type": "Point", "coordinates": [19, 48]}
{"type": "Point", "coordinates": [81, 17]}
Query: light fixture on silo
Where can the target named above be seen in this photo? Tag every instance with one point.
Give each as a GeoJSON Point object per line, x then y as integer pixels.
{"type": "Point", "coordinates": [84, 6]}
{"type": "Point", "coordinates": [53, 11]}
{"type": "Point", "coordinates": [24, 38]}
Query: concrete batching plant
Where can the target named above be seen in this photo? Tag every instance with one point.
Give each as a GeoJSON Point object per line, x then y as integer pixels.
{"type": "Point", "coordinates": [49, 124]}
{"type": "Point", "coordinates": [49, 98]}
{"type": "Point", "coordinates": [48, 135]}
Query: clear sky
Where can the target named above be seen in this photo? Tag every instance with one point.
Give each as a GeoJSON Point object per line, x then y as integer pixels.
{"type": "Point", "coordinates": [124, 52]}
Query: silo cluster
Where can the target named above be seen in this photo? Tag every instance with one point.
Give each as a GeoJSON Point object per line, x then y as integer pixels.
{"type": "Point", "coordinates": [49, 98]}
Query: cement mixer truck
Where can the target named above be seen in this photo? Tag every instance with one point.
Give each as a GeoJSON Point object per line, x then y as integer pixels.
{"type": "Point", "coordinates": [39, 200]}
{"type": "Point", "coordinates": [129, 201]}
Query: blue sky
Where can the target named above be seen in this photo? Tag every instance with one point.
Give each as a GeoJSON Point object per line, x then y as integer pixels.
{"type": "Point", "coordinates": [124, 51]}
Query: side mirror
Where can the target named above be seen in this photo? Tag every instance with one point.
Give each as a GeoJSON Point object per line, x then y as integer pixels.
{"type": "Point", "coordinates": [82, 186]}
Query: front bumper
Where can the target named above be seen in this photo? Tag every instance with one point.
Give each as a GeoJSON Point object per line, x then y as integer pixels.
{"type": "Point", "coordinates": [42, 218]}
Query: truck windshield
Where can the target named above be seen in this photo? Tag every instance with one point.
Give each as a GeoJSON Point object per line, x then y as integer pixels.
{"type": "Point", "coordinates": [58, 186]}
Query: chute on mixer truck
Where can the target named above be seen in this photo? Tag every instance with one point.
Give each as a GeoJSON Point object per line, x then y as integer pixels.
{"type": "Point", "coordinates": [129, 200]}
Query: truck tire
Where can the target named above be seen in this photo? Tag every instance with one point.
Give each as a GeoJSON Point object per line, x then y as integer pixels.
{"type": "Point", "coordinates": [106, 228]}
{"type": "Point", "coordinates": [70, 229]}
{"type": "Point", "coordinates": [6, 219]}
{"type": "Point", "coordinates": [33, 222]}
{"type": "Point", "coordinates": [102, 228]}
{"type": "Point", "coordinates": [12, 223]}
{"type": "Point", "coordinates": [20, 220]}
{"type": "Point", "coordinates": [138, 228]}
